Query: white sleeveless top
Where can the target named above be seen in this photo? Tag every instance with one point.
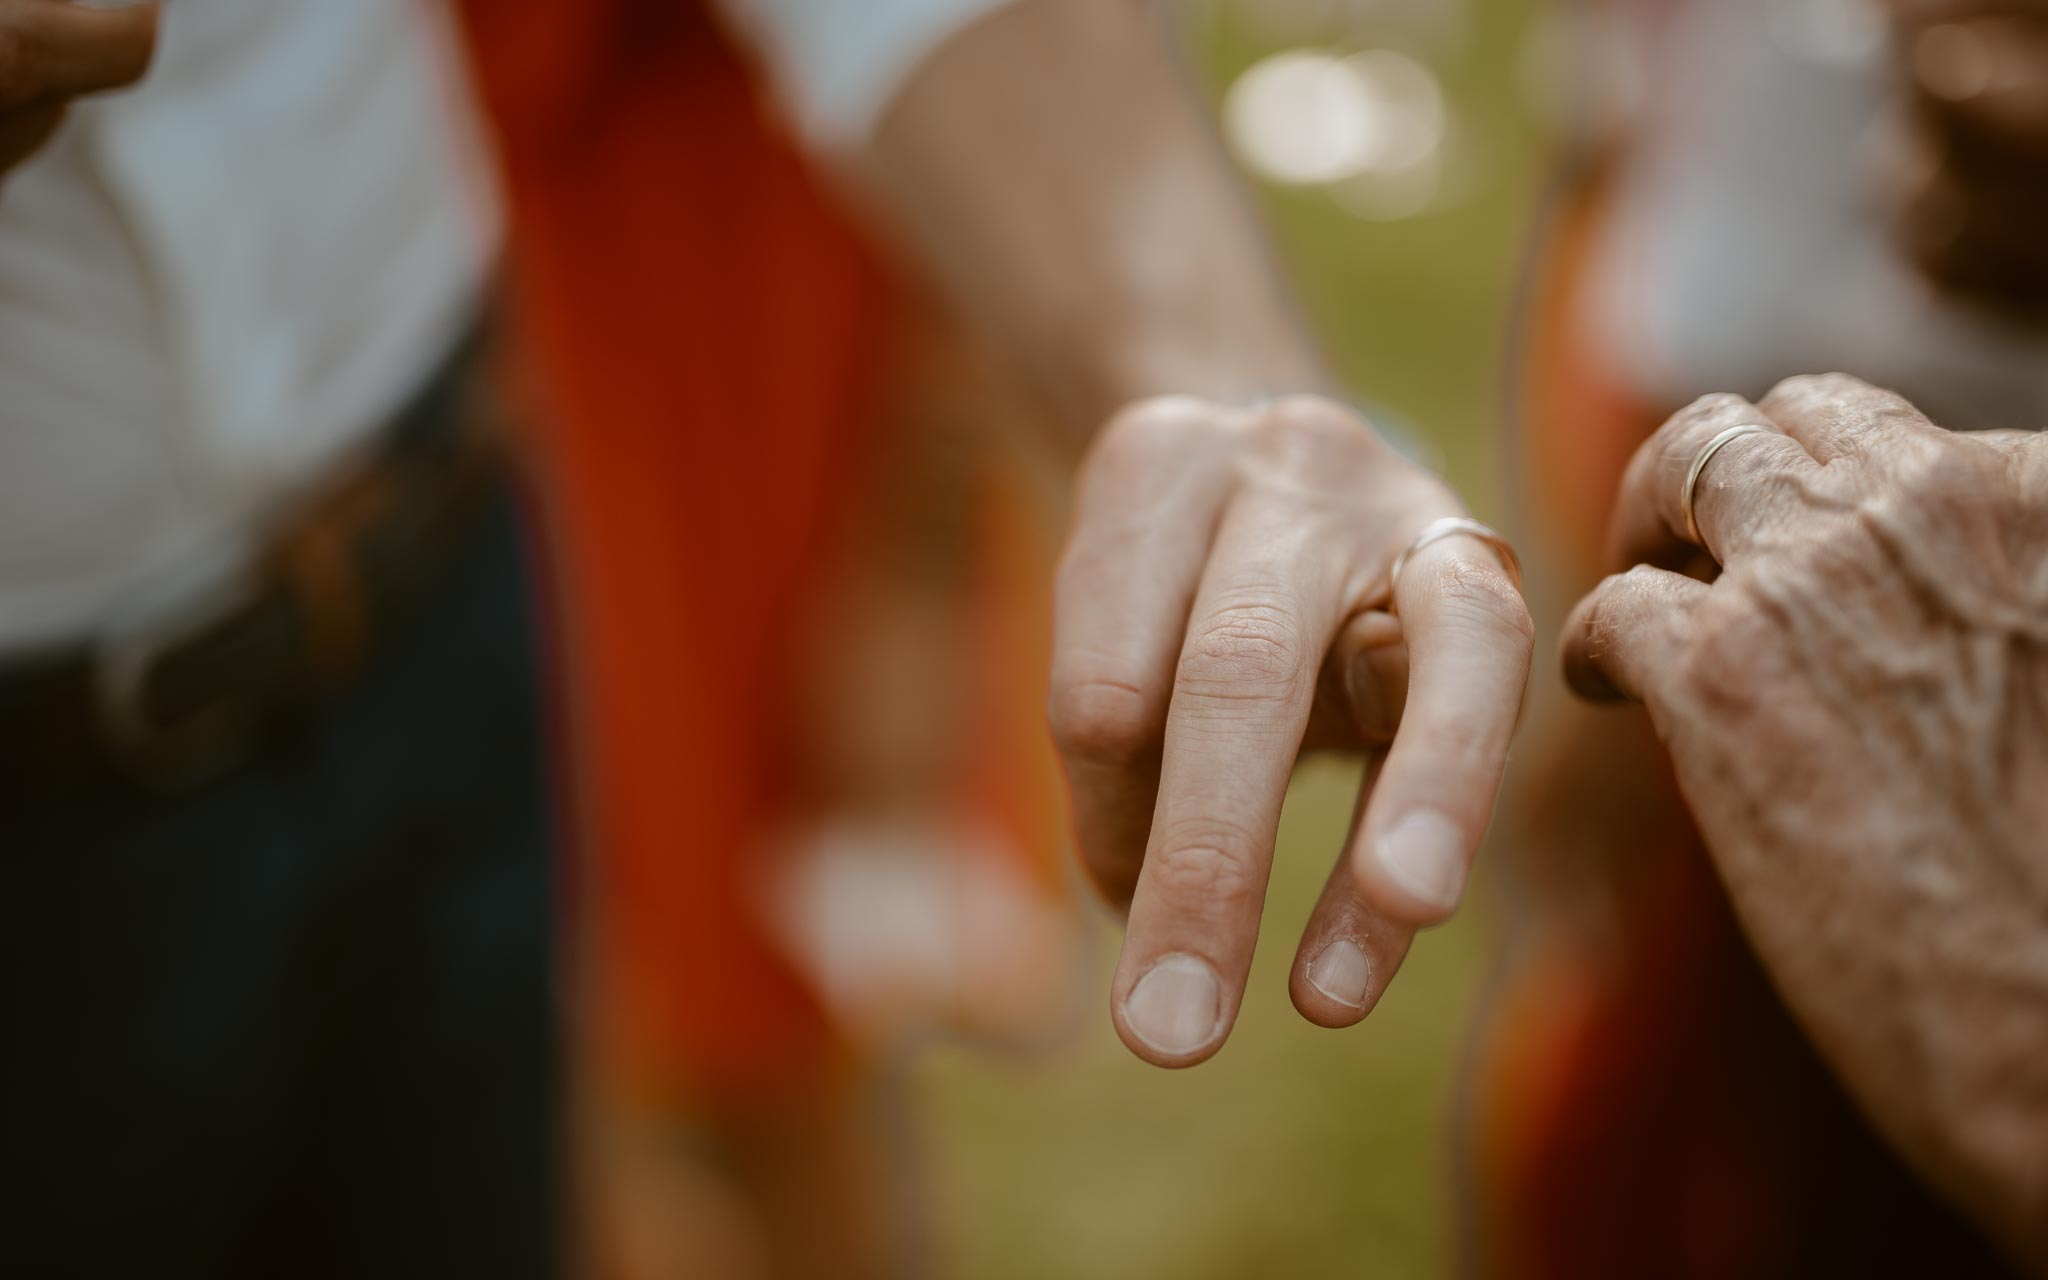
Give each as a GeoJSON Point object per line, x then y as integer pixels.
{"type": "Point", "coordinates": [214, 283]}
{"type": "Point", "coordinates": [1749, 240]}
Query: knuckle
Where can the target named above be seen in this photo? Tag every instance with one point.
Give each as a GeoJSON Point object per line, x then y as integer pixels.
{"type": "Point", "coordinates": [1478, 595]}
{"type": "Point", "coordinates": [1948, 471]}
{"type": "Point", "coordinates": [1210, 862]}
{"type": "Point", "coordinates": [1102, 719]}
{"type": "Point", "coordinates": [1249, 651]}
{"type": "Point", "coordinates": [1639, 580]}
{"type": "Point", "coordinates": [1615, 588]}
{"type": "Point", "coordinates": [1301, 416]}
{"type": "Point", "coordinates": [1153, 423]}
{"type": "Point", "coordinates": [1610, 599]}
{"type": "Point", "coordinates": [1128, 456]}
{"type": "Point", "coordinates": [1313, 432]}
{"type": "Point", "coordinates": [1811, 388]}
{"type": "Point", "coordinates": [1714, 407]}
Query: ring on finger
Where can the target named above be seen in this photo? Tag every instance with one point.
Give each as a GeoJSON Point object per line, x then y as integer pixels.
{"type": "Point", "coordinates": [1453, 527]}
{"type": "Point", "coordinates": [1699, 465]}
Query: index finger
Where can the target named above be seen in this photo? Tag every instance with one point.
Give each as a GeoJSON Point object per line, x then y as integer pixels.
{"type": "Point", "coordinates": [1262, 619]}
{"type": "Point", "coordinates": [1622, 634]}
{"type": "Point", "coordinates": [63, 50]}
{"type": "Point", "coordinates": [1469, 641]}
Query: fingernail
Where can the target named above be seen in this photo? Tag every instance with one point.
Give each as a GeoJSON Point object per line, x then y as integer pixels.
{"type": "Point", "coordinates": [1341, 972]}
{"type": "Point", "coordinates": [1424, 853]}
{"type": "Point", "coordinates": [1174, 1006]}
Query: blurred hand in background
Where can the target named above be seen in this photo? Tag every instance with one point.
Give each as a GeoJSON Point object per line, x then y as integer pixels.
{"type": "Point", "coordinates": [52, 51]}
{"type": "Point", "coordinates": [1975, 193]}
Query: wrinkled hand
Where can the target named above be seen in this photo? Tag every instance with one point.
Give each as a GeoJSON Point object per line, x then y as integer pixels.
{"type": "Point", "coordinates": [1220, 608]}
{"type": "Point", "coordinates": [1857, 707]}
{"type": "Point", "coordinates": [52, 51]}
{"type": "Point", "coordinates": [1974, 190]}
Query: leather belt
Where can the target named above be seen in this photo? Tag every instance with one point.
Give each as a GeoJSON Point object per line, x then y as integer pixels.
{"type": "Point", "coordinates": [177, 701]}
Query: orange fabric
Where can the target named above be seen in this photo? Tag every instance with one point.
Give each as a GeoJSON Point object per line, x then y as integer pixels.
{"type": "Point", "coordinates": [701, 328]}
{"type": "Point", "coordinates": [1010, 775]}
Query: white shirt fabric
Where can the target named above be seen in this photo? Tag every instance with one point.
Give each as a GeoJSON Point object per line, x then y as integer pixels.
{"type": "Point", "coordinates": [211, 286]}
{"type": "Point", "coordinates": [214, 284]}
{"type": "Point", "coordinates": [837, 63]}
{"type": "Point", "coordinates": [1750, 240]}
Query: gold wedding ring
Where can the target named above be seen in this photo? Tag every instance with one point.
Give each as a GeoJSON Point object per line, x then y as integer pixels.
{"type": "Point", "coordinates": [1452, 527]}
{"type": "Point", "coordinates": [1699, 464]}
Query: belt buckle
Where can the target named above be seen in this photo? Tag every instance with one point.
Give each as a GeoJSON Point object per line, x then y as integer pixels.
{"type": "Point", "coordinates": [168, 755]}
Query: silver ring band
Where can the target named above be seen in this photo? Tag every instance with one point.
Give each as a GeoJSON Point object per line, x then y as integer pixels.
{"type": "Point", "coordinates": [1453, 527]}
{"type": "Point", "coordinates": [1699, 465]}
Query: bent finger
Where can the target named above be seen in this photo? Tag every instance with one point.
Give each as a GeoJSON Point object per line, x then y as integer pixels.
{"type": "Point", "coordinates": [1469, 641]}
{"type": "Point", "coordinates": [1746, 486]}
{"type": "Point", "coordinates": [1363, 687]}
{"type": "Point", "coordinates": [1349, 953]}
{"type": "Point", "coordinates": [1625, 632]}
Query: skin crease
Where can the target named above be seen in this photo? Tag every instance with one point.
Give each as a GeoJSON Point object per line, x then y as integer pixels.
{"type": "Point", "coordinates": [1222, 603]}
{"type": "Point", "coordinates": [1859, 718]}
{"type": "Point", "coordinates": [52, 52]}
{"type": "Point", "coordinates": [1858, 706]}
{"type": "Point", "coordinates": [1858, 711]}
{"type": "Point", "coordinates": [1049, 172]}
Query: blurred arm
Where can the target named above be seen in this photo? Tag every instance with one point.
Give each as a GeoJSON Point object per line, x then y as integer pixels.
{"type": "Point", "coordinates": [1046, 165]}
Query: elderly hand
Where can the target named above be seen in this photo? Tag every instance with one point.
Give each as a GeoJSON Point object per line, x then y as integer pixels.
{"type": "Point", "coordinates": [52, 51]}
{"type": "Point", "coordinates": [1222, 605]}
{"type": "Point", "coordinates": [1857, 707]}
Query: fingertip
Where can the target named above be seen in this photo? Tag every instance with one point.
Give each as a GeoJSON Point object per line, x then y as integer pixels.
{"type": "Point", "coordinates": [1319, 1010]}
{"type": "Point", "coordinates": [1620, 631]}
{"type": "Point", "coordinates": [1577, 661]}
{"type": "Point", "coordinates": [1176, 1014]}
{"type": "Point", "coordinates": [1334, 987]}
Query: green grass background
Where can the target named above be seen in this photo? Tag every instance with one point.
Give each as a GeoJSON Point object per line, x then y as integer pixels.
{"type": "Point", "coordinates": [1296, 1152]}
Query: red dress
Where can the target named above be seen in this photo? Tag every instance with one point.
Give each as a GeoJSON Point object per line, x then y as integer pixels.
{"type": "Point", "coordinates": [699, 327]}
{"type": "Point", "coordinates": [717, 358]}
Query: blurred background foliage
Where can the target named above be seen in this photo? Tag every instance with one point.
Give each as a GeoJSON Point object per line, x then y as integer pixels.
{"type": "Point", "coordinates": [1296, 1152]}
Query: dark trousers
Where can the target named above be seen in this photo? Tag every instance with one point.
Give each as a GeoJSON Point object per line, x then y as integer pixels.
{"type": "Point", "coordinates": [298, 1021]}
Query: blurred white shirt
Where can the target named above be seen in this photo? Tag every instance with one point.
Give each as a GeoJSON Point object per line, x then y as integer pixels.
{"type": "Point", "coordinates": [1750, 239]}
{"type": "Point", "coordinates": [214, 284]}
{"type": "Point", "coordinates": [837, 63]}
